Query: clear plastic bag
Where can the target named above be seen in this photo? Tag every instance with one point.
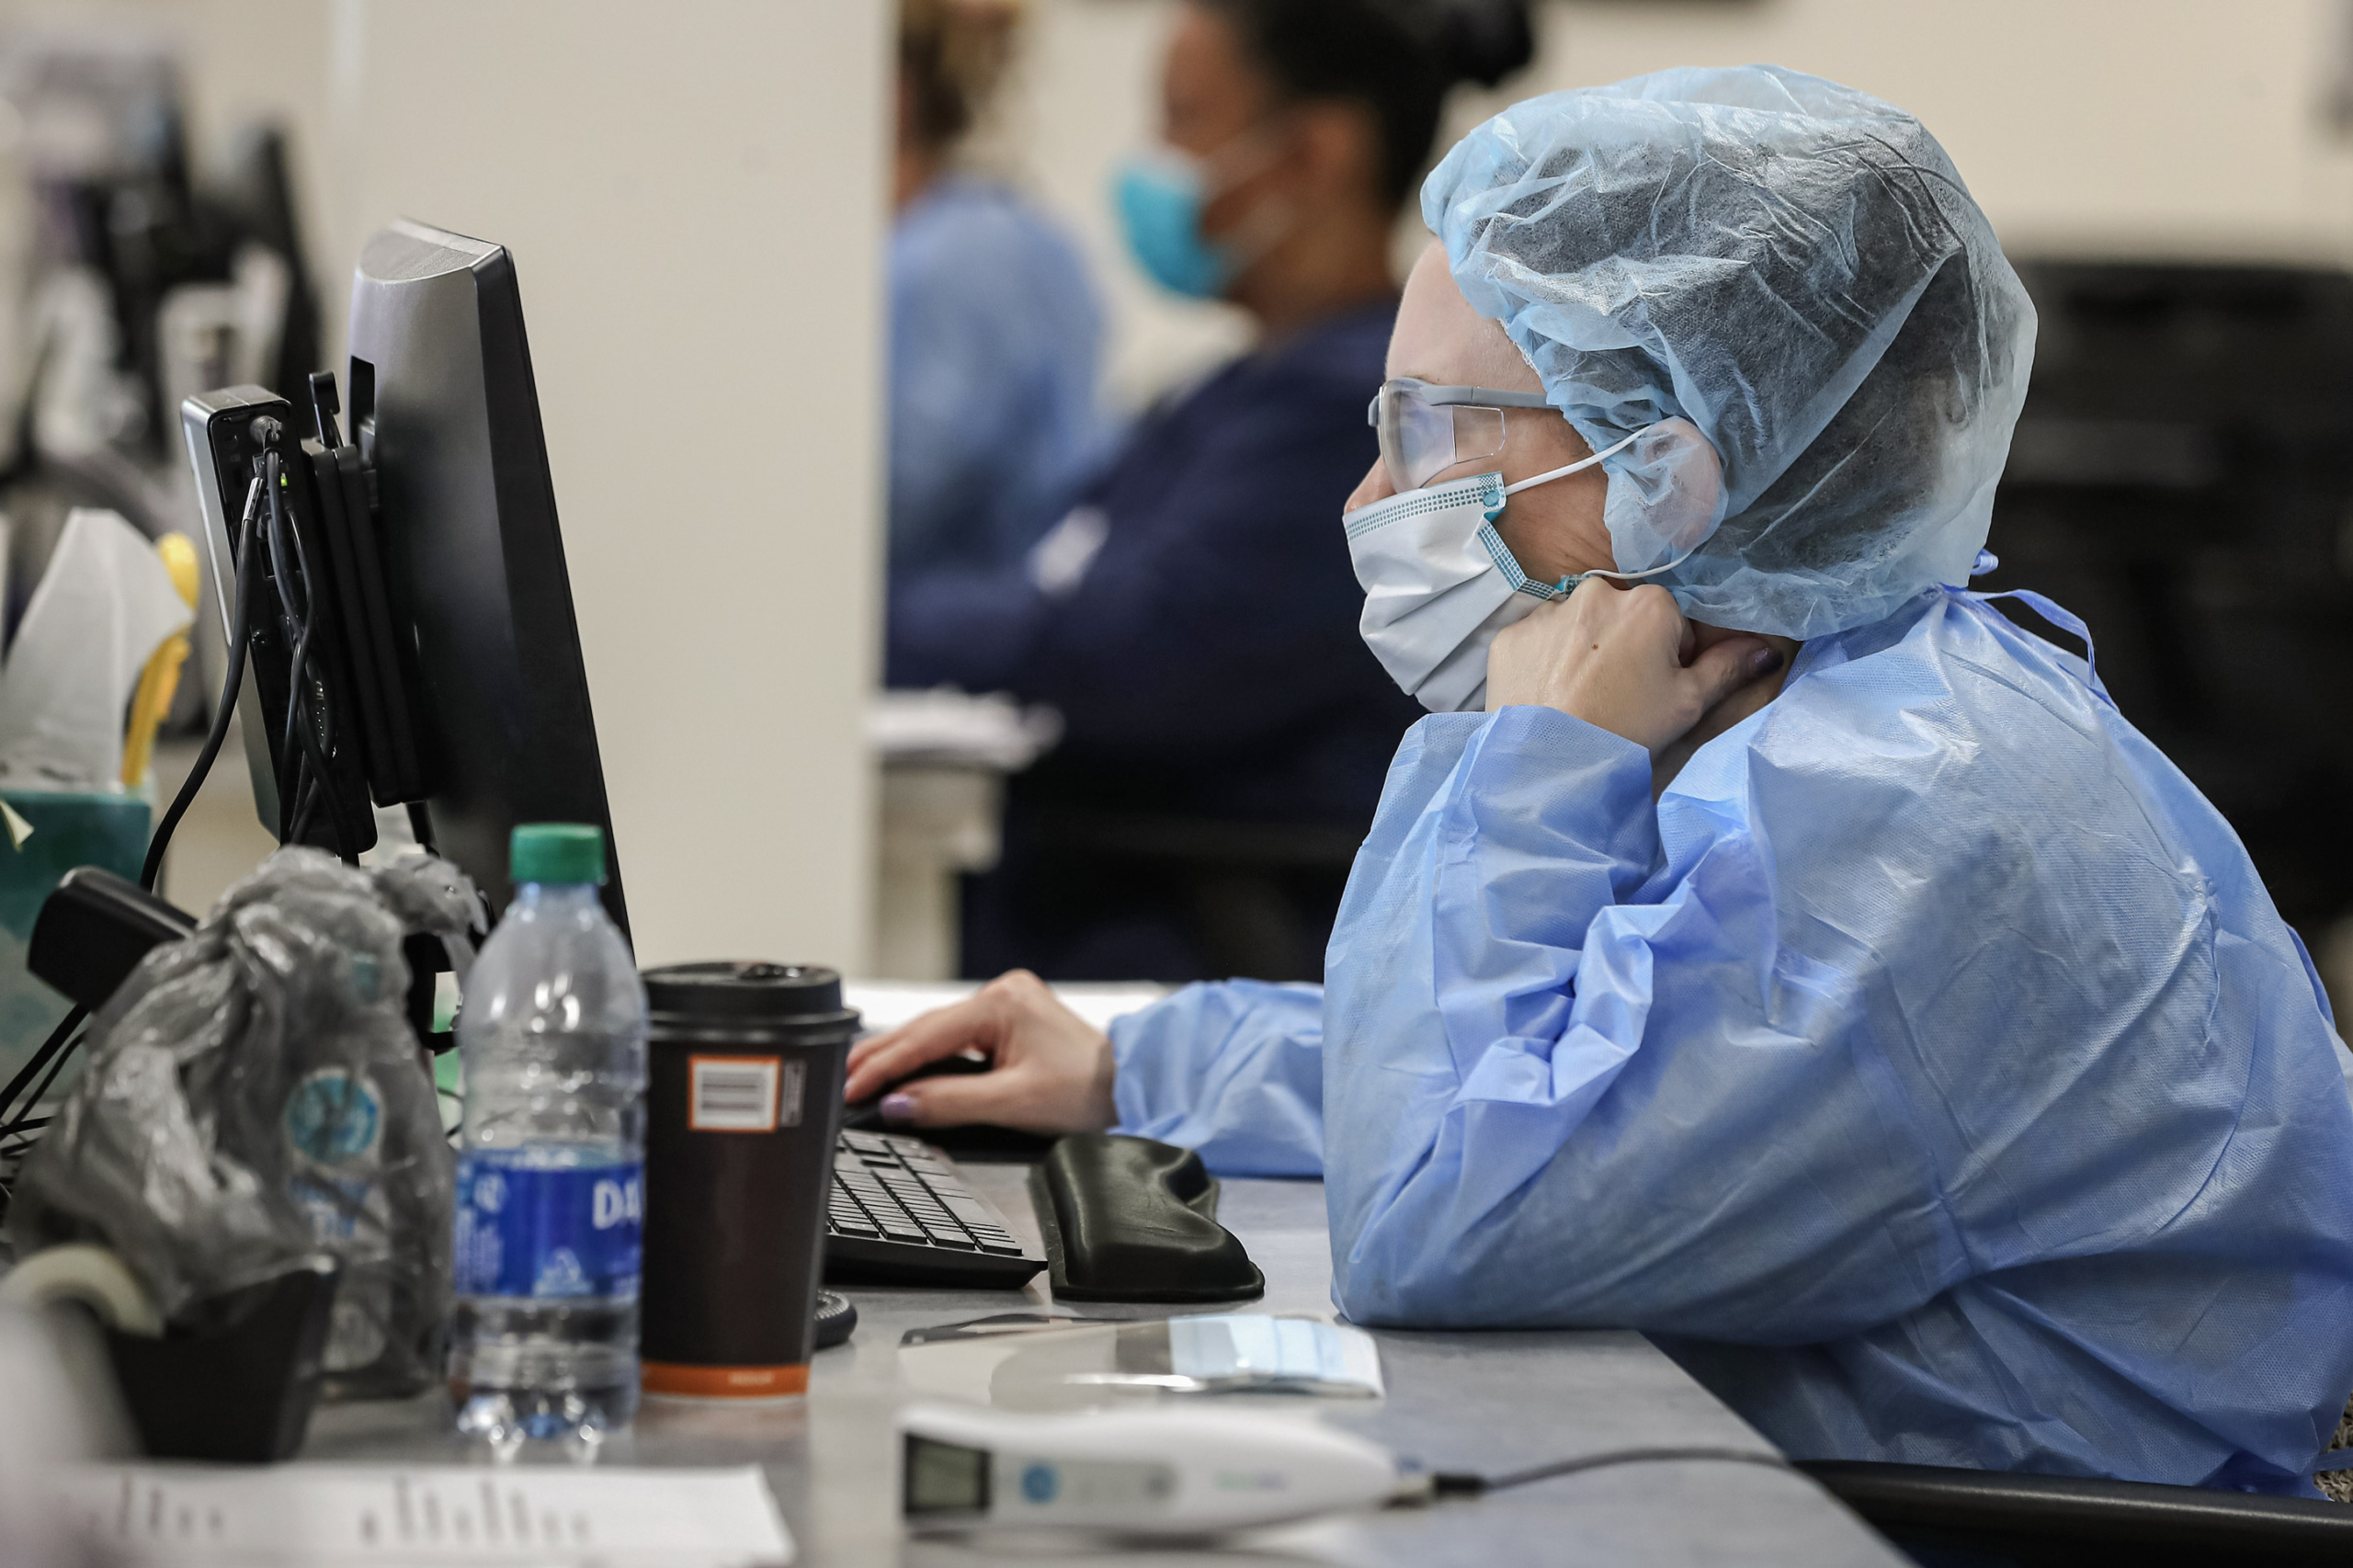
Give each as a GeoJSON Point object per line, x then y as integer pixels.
{"type": "Point", "coordinates": [255, 1095]}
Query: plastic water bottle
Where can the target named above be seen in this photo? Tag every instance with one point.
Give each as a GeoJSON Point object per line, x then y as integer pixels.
{"type": "Point", "coordinates": [552, 1159]}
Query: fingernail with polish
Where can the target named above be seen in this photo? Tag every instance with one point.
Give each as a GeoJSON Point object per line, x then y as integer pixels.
{"type": "Point", "coordinates": [898, 1107]}
{"type": "Point", "coordinates": [1764, 659]}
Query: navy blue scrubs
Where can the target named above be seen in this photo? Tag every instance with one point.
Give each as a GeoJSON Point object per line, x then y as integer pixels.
{"type": "Point", "coordinates": [1208, 673]}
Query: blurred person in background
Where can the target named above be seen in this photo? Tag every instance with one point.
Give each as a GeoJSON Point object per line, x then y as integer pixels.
{"type": "Point", "coordinates": [994, 331]}
{"type": "Point", "coordinates": [1194, 618]}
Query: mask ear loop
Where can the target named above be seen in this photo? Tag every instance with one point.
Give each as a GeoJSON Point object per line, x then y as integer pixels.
{"type": "Point", "coordinates": [1580, 463]}
{"type": "Point", "coordinates": [1568, 584]}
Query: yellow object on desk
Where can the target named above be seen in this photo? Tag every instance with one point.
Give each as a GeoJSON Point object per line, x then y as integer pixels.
{"type": "Point", "coordinates": [160, 681]}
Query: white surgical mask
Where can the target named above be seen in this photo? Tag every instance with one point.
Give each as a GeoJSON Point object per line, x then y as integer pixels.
{"type": "Point", "coordinates": [1439, 581]}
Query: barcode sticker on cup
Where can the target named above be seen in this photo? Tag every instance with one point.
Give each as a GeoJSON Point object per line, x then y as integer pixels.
{"type": "Point", "coordinates": [742, 1093]}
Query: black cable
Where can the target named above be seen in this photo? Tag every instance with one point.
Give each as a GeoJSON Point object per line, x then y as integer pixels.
{"type": "Point", "coordinates": [316, 735]}
{"type": "Point", "coordinates": [1459, 1484]}
{"type": "Point", "coordinates": [281, 571]}
{"type": "Point", "coordinates": [298, 697]}
{"type": "Point", "coordinates": [420, 827]}
{"type": "Point", "coordinates": [33, 1102]}
{"type": "Point", "coordinates": [280, 568]}
{"type": "Point", "coordinates": [222, 719]}
{"type": "Point", "coordinates": [309, 612]}
{"type": "Point", "coordinates": [315, 753]}
{"type": "Point", "coordinates": [52, 1047]}
{"type": "Point", "coordinates": [304, 806]}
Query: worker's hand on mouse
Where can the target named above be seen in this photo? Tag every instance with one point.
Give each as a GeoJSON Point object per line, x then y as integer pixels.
{"type": "Point", "coordinates": [1624, 660]}
{"type": "Point", "coordinates": [1053, 1069]}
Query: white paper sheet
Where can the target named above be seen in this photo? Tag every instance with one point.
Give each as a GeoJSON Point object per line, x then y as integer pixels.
{"type": "Point", "coordinates": [429, 1515]}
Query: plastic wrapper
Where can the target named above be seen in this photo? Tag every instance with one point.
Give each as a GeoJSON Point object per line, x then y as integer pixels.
{"type": "Point", "coordinates": [255, 1095]}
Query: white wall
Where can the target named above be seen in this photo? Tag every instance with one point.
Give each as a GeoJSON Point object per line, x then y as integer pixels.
{"type": "Point", "coordinates": [2108, 127]}
{"type": "Point", "coordinates": [2172, 127]}
{"type": "Point", "coordinates": [693, 195]}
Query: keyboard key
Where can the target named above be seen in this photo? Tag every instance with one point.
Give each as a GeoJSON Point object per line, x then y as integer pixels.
{"type": "Point", "coordinates": [905, 1193]}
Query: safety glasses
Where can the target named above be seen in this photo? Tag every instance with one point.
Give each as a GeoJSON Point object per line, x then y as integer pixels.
{"type": "Point", "coordinates": [1426, 429]}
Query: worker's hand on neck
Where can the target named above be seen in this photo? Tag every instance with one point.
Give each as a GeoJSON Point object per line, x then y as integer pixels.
{"type": "Point", "coordinates": [1626, 661]}
{"type": "Point", "coordinates": [1052, 1069]}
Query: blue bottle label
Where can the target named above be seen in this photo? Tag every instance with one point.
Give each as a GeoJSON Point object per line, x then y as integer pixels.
{"type": "Point", "coordinates": [549, 1233]}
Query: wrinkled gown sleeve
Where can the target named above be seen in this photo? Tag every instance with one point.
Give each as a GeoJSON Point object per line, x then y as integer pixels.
{"type": "Point", "coordinates": [1493, 971]}
{"type": "Point", "coordinates": [1233, 1071]}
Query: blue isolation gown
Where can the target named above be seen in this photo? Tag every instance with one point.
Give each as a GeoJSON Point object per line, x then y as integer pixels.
{"type": "Point", "coordinates": [1928, 1073]}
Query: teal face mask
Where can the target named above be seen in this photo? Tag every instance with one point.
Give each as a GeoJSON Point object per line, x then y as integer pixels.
{"type": "Point", "coordinates": [1160, 196]}
{"type": "Point", "coordinates": [1160, 202]}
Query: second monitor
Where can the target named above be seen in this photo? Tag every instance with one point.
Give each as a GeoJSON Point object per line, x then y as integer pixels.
{"type": "Point", "coordinates": [440, 664]}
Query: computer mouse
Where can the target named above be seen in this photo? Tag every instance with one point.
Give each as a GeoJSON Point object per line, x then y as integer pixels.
{"type": "Point", "coordinates": [978, 1141]}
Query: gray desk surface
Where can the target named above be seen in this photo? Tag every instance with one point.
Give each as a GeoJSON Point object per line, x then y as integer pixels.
{"type": "Point", "coordinates": [1471, 1402]}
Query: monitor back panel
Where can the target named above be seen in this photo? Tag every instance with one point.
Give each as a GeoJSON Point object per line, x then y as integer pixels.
{"type": "Point", "coordinates": [442, 399]}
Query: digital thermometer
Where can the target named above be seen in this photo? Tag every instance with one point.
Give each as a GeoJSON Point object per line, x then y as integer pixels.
{"type": "Point", "coordinates": [1145, 1472]}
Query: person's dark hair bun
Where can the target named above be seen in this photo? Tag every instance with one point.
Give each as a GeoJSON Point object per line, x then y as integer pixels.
{"type": "Point", "coordinates": [1396, 57]}
{"type": "Point", "coordinates": [1484, 40]}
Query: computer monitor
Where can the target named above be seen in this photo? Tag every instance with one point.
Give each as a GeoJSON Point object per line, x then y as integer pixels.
{"type": "Point", "coordinates": [444, 671]}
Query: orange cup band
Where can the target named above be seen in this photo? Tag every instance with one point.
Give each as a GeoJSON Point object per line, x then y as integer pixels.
{"type": "Point", "coordinates": [723, 1382]}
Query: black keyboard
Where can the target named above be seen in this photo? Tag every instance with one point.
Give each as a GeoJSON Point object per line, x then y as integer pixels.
{"type": "Point", "coordinates": [899, 1214]}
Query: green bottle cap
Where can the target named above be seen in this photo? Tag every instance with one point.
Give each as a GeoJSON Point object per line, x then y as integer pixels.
{"type": "Point", "coordinates": [571, 852]}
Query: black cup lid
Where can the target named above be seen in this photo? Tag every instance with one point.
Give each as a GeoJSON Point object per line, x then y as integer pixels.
{"type": "Point", "coordinates": [744, 989]}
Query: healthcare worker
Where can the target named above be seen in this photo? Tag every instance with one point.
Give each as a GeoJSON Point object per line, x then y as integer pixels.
{"type": "Point", "coordinates": [1194, 618]}
{"type": "Point", "coordinates": [996, 336]}
{"type": "Point", "coordinates": [1787, 956]}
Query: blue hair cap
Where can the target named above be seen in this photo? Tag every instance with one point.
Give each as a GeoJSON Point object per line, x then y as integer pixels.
{"type": "Point", "coordinates": [1793, 268]}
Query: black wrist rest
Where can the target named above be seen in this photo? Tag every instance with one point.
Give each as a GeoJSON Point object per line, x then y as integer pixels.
{"type": "Point", "coordinates": [1132, 1220]}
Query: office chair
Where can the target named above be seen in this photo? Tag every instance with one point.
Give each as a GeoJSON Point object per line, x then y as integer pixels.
{"type": "Point", "coordinates": [1997, 1519]}
{"type": "Point", "coordinates": [1258, 899]}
